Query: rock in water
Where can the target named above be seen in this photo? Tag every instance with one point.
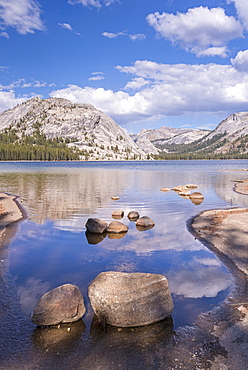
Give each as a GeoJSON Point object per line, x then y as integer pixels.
{"type": "Point", "coordinates": [133, 216]}
{"type": "Point", "coordinates": [130, 299]}
{"type": "Point", "coordinates": [118, 214]}
{"type": "Point", "coordinates": [60, 305]}
{"type": "Point", "coordinates": [191, 186]}
{"type": "Point", "coordinates": [117, 227]}
{"type": "Point", "coordinates": [145, 221]}
{"type": "Point", "coordinates": [196, 195]}
{"type": "Point", "coordinates": [115, 198]}
{"type": "Point", "coordinates": [94, 225]}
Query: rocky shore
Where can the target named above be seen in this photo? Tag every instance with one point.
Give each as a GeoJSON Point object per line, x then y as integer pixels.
{"type": "Point", "coordinates": [221, 335]}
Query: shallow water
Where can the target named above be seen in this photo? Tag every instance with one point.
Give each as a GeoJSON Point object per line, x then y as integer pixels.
{"type": "Point", "coordinates": [51, 248]}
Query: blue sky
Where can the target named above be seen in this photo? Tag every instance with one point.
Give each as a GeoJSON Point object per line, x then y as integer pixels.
{"type": "Point", "coordinates": [146, 63]}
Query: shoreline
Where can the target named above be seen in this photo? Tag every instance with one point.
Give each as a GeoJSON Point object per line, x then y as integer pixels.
{"type": "Point", "coordinates": [222, 333]}
{"type": "Point", "coordinates": [10, 210]}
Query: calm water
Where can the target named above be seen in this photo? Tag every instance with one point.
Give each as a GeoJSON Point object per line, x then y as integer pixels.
{"type": "Point", "coordinates": [50, 248]}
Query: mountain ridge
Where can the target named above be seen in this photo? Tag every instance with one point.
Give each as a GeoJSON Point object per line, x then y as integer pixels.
{"type": "Point", "coordinates": [80, 131]}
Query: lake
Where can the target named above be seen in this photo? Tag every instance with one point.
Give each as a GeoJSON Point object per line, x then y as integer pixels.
{"type": "Point", "coordinates": [51, 248]}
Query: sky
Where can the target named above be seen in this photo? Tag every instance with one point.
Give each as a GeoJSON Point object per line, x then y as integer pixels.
{"type": "Point", "coordinates": [145, 63]}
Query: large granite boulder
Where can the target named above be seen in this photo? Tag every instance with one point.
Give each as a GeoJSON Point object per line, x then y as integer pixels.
{"type": "Point", "coordinates": [117, 227]}
{"type": "Point", "coordinates": [60, 305]}
{"type": "Point", "coordinates": [130, 299]}
{"type": "Point", "coordinates": [95, 225]}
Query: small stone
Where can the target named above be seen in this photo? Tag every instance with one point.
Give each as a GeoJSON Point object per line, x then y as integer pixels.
{"type": "Point", "coordinates": [130, 299]}
{"type": "Point", "coordinates": [185, 192]}
{"type": "Point", "coordinates": [133, 216]}
{"type": "Point", "coordinates": [115, 198]}
{"type": "Point", "coordinates": [191, 186]}
{"type": "Point", "coordinates": [165, 189]}
{"type": "Point", "coordinates": [118, 214]}
{"type": "Point", "coordinates": [179, 188]}
{"type": "Point", "coordinates": [117, 227]}
{"type": "Point", "coordinates": [95, 225]}
{"type": "Point", "coordinates": [60, 305]}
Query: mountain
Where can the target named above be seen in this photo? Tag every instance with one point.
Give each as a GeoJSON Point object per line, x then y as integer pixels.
{"type": "Point", "coordinates": [80, 127]}
{"type": "Point", "coordinates": [228, 140]}
{"type": "Point", "coordinates": [230, 136]}
{"type": "Point", "coordinates": [156, 140]}
{"type": "Point", "coordinates": [57, 129]}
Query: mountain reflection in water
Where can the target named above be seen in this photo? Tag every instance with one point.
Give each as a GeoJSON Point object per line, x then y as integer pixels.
{"type": "Point", "coordinates": [52, 248]}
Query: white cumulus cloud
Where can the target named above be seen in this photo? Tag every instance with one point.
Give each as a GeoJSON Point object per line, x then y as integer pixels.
{"type": "Point", "coordinates": [23, 15]}
{"type": "Point", "coordinates": [167, 90]}
{"type": "Point", "coordinates": [136, 83]}
{"type": "Point", "coordinates": [8, 100]}
{"type": "Point", "coordinates": [198, 30]}
{"type": "Point", "coordinates": [242, 11]}
{"type": "Point", "coordinates": [240, 62]}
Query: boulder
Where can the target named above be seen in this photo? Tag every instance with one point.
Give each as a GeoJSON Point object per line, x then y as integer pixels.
{"type": "Point", "coordinates": [94, 225]}
{"type": "Point", "coordinates": [191, 186]}
{"type": "Point", "coordinates": [196, 195]}
{"type": "Point", "coordinates": [60, 305]}
{"type": "Point", "coordinates": [117, 227]}
{"type": "Point", "coordinates": [145, 222]}
{"type": "Point", "coordinates": [133, 216]}
{"type": "Point", "coordinates": [130, 299]}
{"type": "Point", "coordinates": [118, 214]}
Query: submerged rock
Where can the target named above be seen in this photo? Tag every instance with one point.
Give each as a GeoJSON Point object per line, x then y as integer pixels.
{"type": "Point", "coordinates": [95, 225]}
{"type": "Point", "coordinates": [60, 305]}
{"type": "Point", "coordinates": [117, 227]}
{"type": "Point", "coordinates": [130, 299]}
{"type": "Point", "coordinates": [133, 216]}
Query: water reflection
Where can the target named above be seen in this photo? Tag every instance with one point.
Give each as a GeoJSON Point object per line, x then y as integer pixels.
{"type": "Point", "coordinates": [52, 248]}
{"type": "Point", "coordinates": [58, 337]}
